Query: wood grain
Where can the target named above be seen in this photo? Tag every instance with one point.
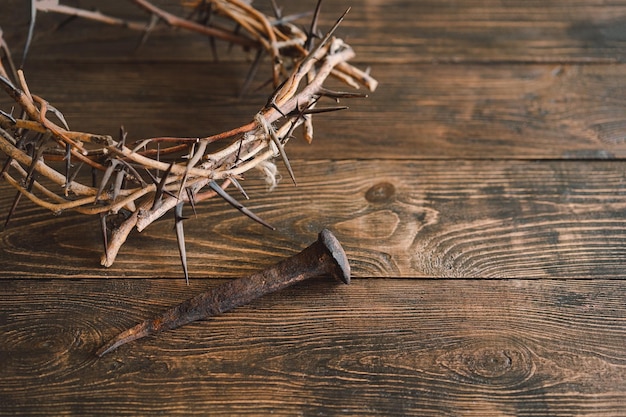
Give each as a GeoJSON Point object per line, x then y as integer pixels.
{"type": "Point", "coordinates": [376, 347]}
{"type": "Point", "coordinates": [397, 31]}
{"type": "Point", "coordinates": [498, 219]}
{"type": "Point", "coordinates": [489, 162]}
{"type": "Point", "coordinates": [419, 112]}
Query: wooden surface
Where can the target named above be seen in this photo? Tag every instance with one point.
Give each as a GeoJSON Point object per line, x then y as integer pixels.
{"type": "Point", "coordinates": [479, 192]}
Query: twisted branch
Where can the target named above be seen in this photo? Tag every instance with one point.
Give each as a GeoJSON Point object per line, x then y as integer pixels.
{"type": "Point", "coordinates": [135, 178]}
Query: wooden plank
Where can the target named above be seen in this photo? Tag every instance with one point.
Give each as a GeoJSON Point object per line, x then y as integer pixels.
{"type": "Point", "coordinates": [497, 219]}
{"type": "Point", "coordinates": [419, 112]}
{"type": "Point", "coordinates": [377, 347]}
{"type": "Point", "coordinates": [381, 31]}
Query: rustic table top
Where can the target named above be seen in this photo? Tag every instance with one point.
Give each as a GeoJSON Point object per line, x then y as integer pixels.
{"type": "Point", "coordinates": [479, 193]}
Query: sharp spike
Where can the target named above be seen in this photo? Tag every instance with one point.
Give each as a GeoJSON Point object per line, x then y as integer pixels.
{"type": "Point", "coordinates": [300, 115]}
{"type": "Point", "coordinates": [328, 35]}
{"type": "Point", "coordinates": [290, 18]}
{"type": "Point", "coordinates": [313, 29]}
{"type": "Point", "coordinates": [5, 167]}
{"type": "Point", "coordinates": [133, 173]}
{"type": "Point", "coordinates": [16, 201]}
{"type": "Point", "coordinates": [340, 94]}
{"type": "Point", "coordinates": [271, 101]}
{"type": "Point", "coordinates": [105, 236]}
{"type": "Point", "coordinates": [192, 200]}
{"type": "Point", "coordinates": [284, 158]}
{"type": "Point", "coordinates": [9, 58]}
{"type": "Point", "coordinates": [230, 200]}
{"type": "Point", "coordinates": [58, 114]}
{"type": "Point", "coordinates": [180, 238]}
{"type": "Point", "coordinates": [73, 177]}
{"type": "Point", "coordinates": [119, 181]}
{"type": "Point", "coordinates": [105, 178]}
{"type": "Point", "coordinates": [37, 151]}
{"type": "Point", "coordinates": [238, 186]}
{"type": "Point", "coordinates": [269, 130]}
{"type": "Point", "coordinates": [123, 135]}
{"type": "Point", "coordinates": [68, 165]}
{"type": "Point", "coordinates": [277, 10]}
{"type": "Point", "coordinates": [325, 109]}
{"type": "Point", "coordinates": [158, 156]}
{"type": "Point", "coordinates": [158, 194]}
{"type": "Point", "coordinates": [14, 91]}
{"type": "Point", "coordinates": [154, 19]}
{"type": "Point", "coordinates": [31, 29]}
{"type": "Point", "coordinates": [8, 116]}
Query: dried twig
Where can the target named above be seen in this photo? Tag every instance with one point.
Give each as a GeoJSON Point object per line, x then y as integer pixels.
{"type": "Point", "coordinates": [134, 177]}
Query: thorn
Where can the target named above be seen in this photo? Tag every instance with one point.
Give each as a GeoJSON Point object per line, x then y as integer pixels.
{"type": "Point", "coordinates": [68, 165]}
{"type": "Point", "coordinates": [205, 17]}
{"type": "Point", "coordinates": [300, 116]}
{"type": "Point", "coordinates": [271, 101]}
{"type": "Point", "coordinates": [8, 116]}
{"type": "Point", "coordinates": [64, 23]}
{"type": "Point", "coordinates": [340, 94]}
{"type": "Point", "coordinates": [180, 237]}
{"type": "Point", "coordinates": [275, 107]}
{"type": "Point", "coordinates": [313, 29]}
{"type": "Point", "coordinates": [73, 177]}
{"type": "Point", "coordinates": [154, 19]}
{"type": "Point", "coordinates": [192, 200]}
{"type": "Point", "coordinates": [158, 155]}
{"type": "Point", "coordinates": [5, 167]}
{"type": "Point", "coordinates": [283, 156]}
{"type": "Point", "coordinates": [31, 30]}
{"type": "Point", "coordinates": [325, 109]}
{"type": "Point", "coordinates": [105, 237]}
{"type": "Point", "coordinates": [15, 92]}
{"type": "Point", "coordinates": [328, 35]}
{"type": "Point", "coordinates": [133, 172]}
{"type": "Point", "coordinates": [230, 200]}
{"type": "Point", "coordinates": [158, 194]}
{"type": "Point", "coordinates": [238, 186]}
{"type": "Point", "coordinates": [9, 58]}
{"type": "Point", "coordinates": [105, 178]}
{"type": "Point", "coordinates": [238, 152]}
{"type": "Point", "coordinates": [16, 200]}
{"type": "Point", "coordinates": [277, 10]}
{"type": "Point", "coordinates": [37, 152]}
{"type": "Point", "coordinates": [59, 115]}
{"type": "Point", "coordinates": [269, 130]}
{"type": "Point", "coordinates": [123, 135]}
{"type": "Point", "coordinates": [120, 179]}
{"type": "Point", "coordinates": [290, 18]}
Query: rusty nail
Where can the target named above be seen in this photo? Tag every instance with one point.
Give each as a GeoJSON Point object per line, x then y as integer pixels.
{"type": "Point", "coordinates": [325, 256]}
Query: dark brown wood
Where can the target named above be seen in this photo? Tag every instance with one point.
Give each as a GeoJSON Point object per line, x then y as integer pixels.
{"type": "Point", "coordinates": [486, 172]}
{"type": "Point", "coordinates": [472, 219]}
{"type": "Point", "coordinates": [396, 31]}
{"type": "Point", "coordinates": [376, 347]}
{"type": "Point", "coordinates": [419, 112]}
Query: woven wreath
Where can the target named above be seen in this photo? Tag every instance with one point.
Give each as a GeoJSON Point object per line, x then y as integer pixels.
{"type": "Point", "coordinates": [149, 177]}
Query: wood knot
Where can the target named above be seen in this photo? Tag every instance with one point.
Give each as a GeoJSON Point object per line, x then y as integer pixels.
{"type": "Point", "coordinates": [380, 193]}
{"type": "Point", "coordinates": [500, 362]}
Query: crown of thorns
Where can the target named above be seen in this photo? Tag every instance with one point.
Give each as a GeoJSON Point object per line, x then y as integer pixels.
{"type": "Point", "coordinates": [149, 177]}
